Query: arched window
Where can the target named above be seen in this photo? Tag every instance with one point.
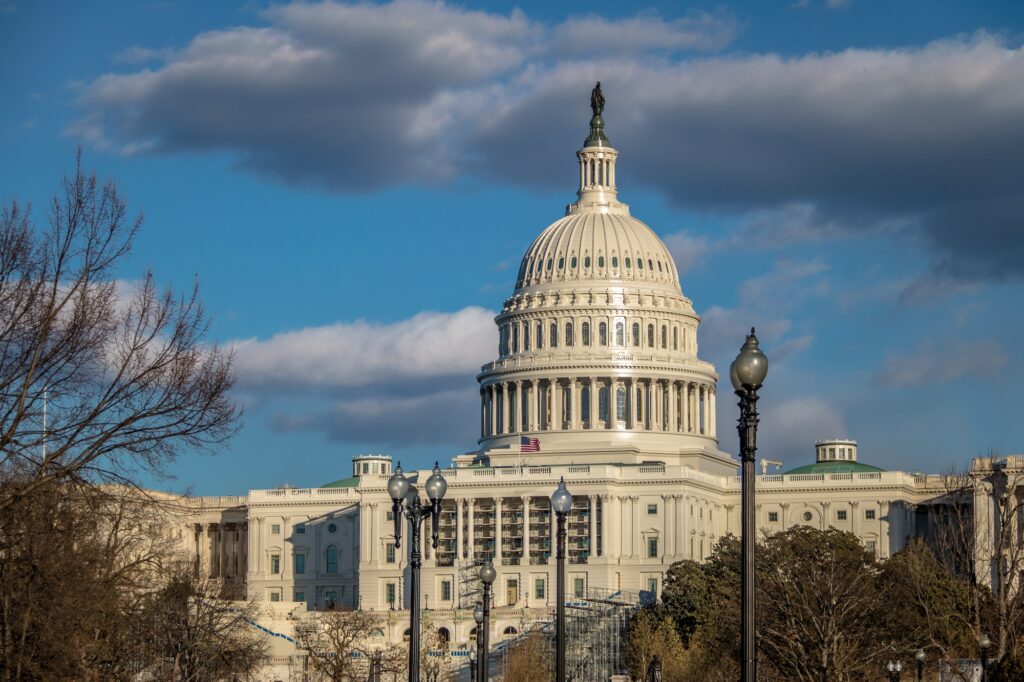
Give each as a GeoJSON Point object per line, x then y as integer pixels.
{"type": "Point", "coordinates": [568, 334]}
{"type": "Point", "coordinates": [629, 263]}
{"type": "Point", "coordinates": [640, 404]}
{"type": "Point", "coordinates": [510, 632]}
{"type": "Point", "coordinates": [444, 634]}
{"type": "Point", "coordinates": [615, 261]}
{"type": "Point", "coordinates": [659, 266]}
{"type": "Point", "coordinates": [586, 333]}
{"type": "Point", "coordinates": [561, 262]}
{"type": "Point", "coordinates": [540, 335]}
{"type": "Point", "coordinates": [675, 338]}
{"type": "Point", "coordinates": [332, 559]}
{"type": "Point", "coordinates": [602, 334]}
{"type": "Point", "coordinates": [620, 334]}
{"type": "Point", "coordinates": [636, 334]}
{"type": "Point", "coordinates": [650, 336]}
{"type": "Point", "coordinates": [526, 336]}
{"type": "Point", "coordinates": [664, 336]}
{"type": "Point", "coordinates": [515, 338]}
{"type": "Point", "coordinates": [472, 635]}
{"type": "Point", "coordinates": [550, 263]}
{"type": "Point", "coordinates": [553, 341]}
{"type": "Point", "coordinates": [586, 262]}
{"type": "Point", "coordinates": [640, 263]}
{"type": "Point", "coordinates": [376, 632]}
{"type": "Point", "coordinates": [600, 261]}
{"type": "Point", "coordinates": [602, 404]}
{"type": "Point", "coordinates": [405, 635]}
{"type": "Point", "coordinates": [650, 264]}
{"type": "Point", "coordinates": [620, 404]}
{"type": "Point", "coordinates": [572, 263]}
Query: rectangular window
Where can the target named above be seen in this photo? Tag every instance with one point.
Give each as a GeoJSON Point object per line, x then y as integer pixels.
{"type": "Point", "coordinates": [389, 553]}
{"type": "Point", "coordinates": [773, 517]}
{"type": "Point", "coordinates": [870, 546]}
{"type": "Point", "coordinates": [366, 467]}
{"type": "Point", "coordinates": [299, 596]}
{"type": "Point", "coordinates": [538, 588]}
{"type": "Point", "coordinates": [275, 564]}
{"type": "Point", "coordinates": [869, 514]}
{"type": "Point", "coordinates": [652, 585]}
{"type": "Point", "coordinates": [331, 599]}
{"type": "Point", "coordinates": [841, 514]}
{"type": "Point", "coordinates": [701, 512]}
{"type": "Point", "coordinates": [652, 510]}
{"type": "Point", "coordinates": [578, 587]}
{"type": "Point", "coordinates": [389, 594]}
{"type": "Point", "coordinates": [652, 548]}
{"type": "Point", "coordinates": [275, 596]}
{"type": "Point", "coordinates": [300, 529]}
{"type": "Point", "coordinates": [691, 510]}
{"type": "Point", "coordinates": [446, 590]}
{"type": "Point", "coordinates": [390, 516]}
{"type": "Point", "coordinates": [275, 529]}
{"type": "Point", "coordinates": [300, 563]}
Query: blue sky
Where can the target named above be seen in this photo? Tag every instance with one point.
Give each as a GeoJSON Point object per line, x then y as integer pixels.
{"type": "Point", "coordinates": [344, 179]}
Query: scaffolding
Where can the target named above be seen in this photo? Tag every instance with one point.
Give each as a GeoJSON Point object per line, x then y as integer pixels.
{"type": "Point", "coordinates": [595, 631]}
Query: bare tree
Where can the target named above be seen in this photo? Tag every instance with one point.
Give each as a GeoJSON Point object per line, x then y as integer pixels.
{"type": "Point", "coordinates": [434, 658]}
{"type": "Point", "coordinates": [529, 660]}
{"type": "Point", "coordinates": [338, 643]}
{"type": "Point", "coordinates": [97, 380]}
{"type": "Point", "coordinates": [196, 635]}
{"type": "Point", "coordinates": [979, 533]}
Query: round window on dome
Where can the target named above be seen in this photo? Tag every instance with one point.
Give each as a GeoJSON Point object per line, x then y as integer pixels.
{"type": "Point", "coordinates": [600, 261]}
{"type": "Point", "coordinates": [586, 261]}
{"type": "Point", "coordinates": [615, 261]}
{"type": "Point", "coordinates": [640, 263]}
{"type": "Point", "coordinates": [561, 262]}
{"type": "Point", "coordinates": [331, 528]}
{"type": "Point", "coordinates": [808, 516]}
{"type": "Point", "coordinates": [572, 263]}
{"type": "Point", "coordinates": [628, 263]}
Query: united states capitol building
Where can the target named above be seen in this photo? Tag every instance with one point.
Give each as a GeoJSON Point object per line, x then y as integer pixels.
{"type": "Point", "coordinates": [597, 379]}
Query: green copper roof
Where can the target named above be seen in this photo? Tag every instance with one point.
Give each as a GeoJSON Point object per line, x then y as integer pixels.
{"type": "Point", "coordinates": [834, 468]}
{"type": "Point", "coordinates": [350, 482]}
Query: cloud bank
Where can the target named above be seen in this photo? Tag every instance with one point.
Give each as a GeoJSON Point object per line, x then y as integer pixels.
{"type": "Point", "coordinates": [924, 141]}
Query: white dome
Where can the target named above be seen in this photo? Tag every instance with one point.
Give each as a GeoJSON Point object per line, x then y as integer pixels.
{"type": "Point", "coordinates": [613, 247]}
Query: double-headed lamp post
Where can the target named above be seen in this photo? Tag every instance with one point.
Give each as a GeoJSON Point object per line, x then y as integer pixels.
{"type": "Point", "coordinates": [747, 373]}
{"type": "Point", "coordinates": [984, 645]}
{"type": "Point", "coordinates": [483, 622]}
{"type": "Point", "coordinates": [894, 670]}
{"type": "Point", "coordinates": [920, 656]}
{"type": "Point", "coordinates": [561, 503]}
{"type": "Point", "coordinates": [405, 502]}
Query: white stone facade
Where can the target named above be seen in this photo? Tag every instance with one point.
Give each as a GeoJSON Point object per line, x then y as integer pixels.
{"type": "Point", "coordinates": [597, 359]}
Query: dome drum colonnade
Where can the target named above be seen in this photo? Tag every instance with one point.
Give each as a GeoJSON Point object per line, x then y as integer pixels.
{"type": "Point", "coordinates": [598, 335]}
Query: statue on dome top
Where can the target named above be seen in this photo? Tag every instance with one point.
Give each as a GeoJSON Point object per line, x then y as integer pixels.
{"type": "Point", "coordinates": [597, 100]}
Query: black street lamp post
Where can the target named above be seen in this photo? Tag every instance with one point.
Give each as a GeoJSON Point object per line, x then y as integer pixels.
{"type": "Point", "coordinates": [561, 503]}
{"type": "Point", "coordinates": [984, 645]}
{"type": "Point", "coordinates": [473, 658]}
{"type": "Point", "coordinates": [920, 656]}
{"type": "Point", "coordinates": [405, 502]}
{"type": "Point", "coordinates": [894, 670]}
{"type": "Point", "coordinates": [487, 576]}
{"type": "Point", "coordinates": [747, 373]}
{"type": "Point", "coordinates": [478, 616]}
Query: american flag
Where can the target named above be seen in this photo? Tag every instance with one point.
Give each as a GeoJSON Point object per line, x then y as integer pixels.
{"type": "Point", "coordinates": [529, 444]}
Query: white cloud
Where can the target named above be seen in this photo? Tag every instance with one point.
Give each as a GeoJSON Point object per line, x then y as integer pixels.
{"type": "Point", "coordinates": [789, 429]}
{"type": "Point", "coordinates": [355, 97]}
{"type": "Point", "coordinates": [427, 346]}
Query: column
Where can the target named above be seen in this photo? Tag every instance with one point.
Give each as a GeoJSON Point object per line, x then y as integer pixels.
{"type": "Point", "coordinates": [648, 405]}
{"type": "Point", "coordinates": [498, 555]}
{"type": "Point", "coordinates": [693, 397]}
{"type": "Point", "coordinates": [483, 414]}
{"type": "Point", "coordinates": [624, 531]}
{"type": "Point", "coordinates": [669, 543]}
{"type": "Point", "coordinates": [534, 407]}
{"type": "Point", "coordinates": [493, 395]}
{"type": "Point", "coordinates": [594, 390]}
{"type": "Point", "coordinates": [684, 416]}
{"type": "Point", "coordinates": [574, 404]}
{"type": "Point", "coordinates": [517, 408]}
{"type": "Point", "coordinates": [460, 551]}
{"type": "Point", "coordinates": [855, 518]}
{"type": "Point", "coordinates": [503, 393]}
{"type": "Point", "coordinates": [372, 536]}
{"type": "Point", "coordinates": [713, 414]}
{"type": "Point", "coordinates": [526, 530]}
{"type": "Point", "coordinates": [605, 524]}
{"type": "Point", "coordinates": [884, 547]}
{"type": "Point", "coordinates": [593, 526]}
{"type": "Point", "coordinates": [785, 514]}
{"type": "Point", "coordinates": [634, 536]}
{"type": "Point", "coordinates": [556, 405]}
{"type": "Point", "coordinates": [471, 550]}
{"type": "Point", "coordinates": [680, 524]}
